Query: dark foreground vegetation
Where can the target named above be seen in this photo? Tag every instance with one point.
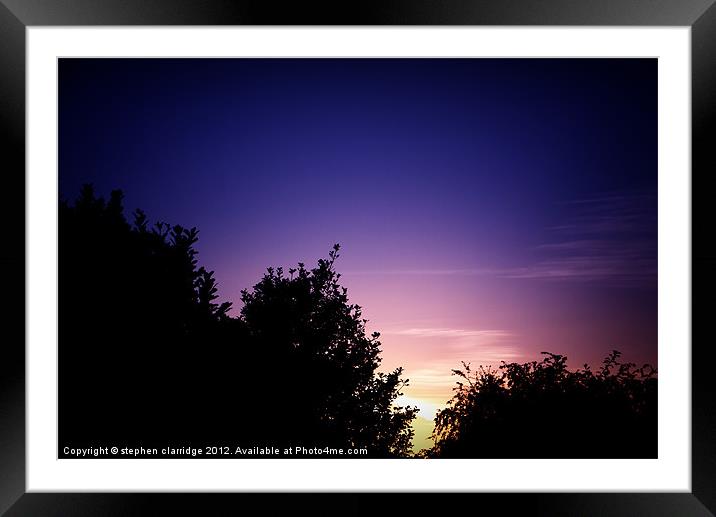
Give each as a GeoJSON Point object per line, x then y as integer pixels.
{"type": "Point", "coordinates": [147, 357]}
{"type": "Point", "coordinates": [543, 410]}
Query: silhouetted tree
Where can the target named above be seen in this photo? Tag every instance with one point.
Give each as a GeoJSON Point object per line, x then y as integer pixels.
{"type": "Point", "coordinates": [331, 392]}
{"type": "Point", "coordinates": [543, 410]}
{"type": "Point", "coordinates": [147, 355]}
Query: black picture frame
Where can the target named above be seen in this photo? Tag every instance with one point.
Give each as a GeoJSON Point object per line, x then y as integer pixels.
{"type": "Point", "coordinates": [16, 15]}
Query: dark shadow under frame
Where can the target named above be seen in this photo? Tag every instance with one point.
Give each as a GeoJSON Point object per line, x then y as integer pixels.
{"type": "Point", "coordinates": [15, 15]}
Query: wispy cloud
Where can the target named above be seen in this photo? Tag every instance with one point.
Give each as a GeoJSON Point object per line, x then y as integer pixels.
{"type": "Point", "coordinates": [421, 272]}
{"type": "Point", "coordinates": [610, 239]}
{"type": "Point", "coordinates": [481, 342]}
{"type": "Point", "coordinates": [622, 266]}
{"type": "Point", "coordinates": [431, 380]}
{"type": "Point", "coordinates": [456, 333]}
{"type": "Point", "coordinates": [458, 344]}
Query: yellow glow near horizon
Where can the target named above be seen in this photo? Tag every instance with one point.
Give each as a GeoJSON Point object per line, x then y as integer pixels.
{"type": "Point", "coordinates": [424, 423]}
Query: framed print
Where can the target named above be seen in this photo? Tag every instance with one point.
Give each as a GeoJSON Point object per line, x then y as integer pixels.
{"type": "Point", "coordinates": [414, 249]}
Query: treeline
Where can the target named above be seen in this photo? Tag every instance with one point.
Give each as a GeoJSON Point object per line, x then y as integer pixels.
{"type": "Point", "coordinates": [148, 357]}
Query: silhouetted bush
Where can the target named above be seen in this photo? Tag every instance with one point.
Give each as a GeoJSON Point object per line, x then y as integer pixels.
{"type": "Point", "coordinates": [147, 357]}
{"type": "Point", "coordinates": [543, 410]}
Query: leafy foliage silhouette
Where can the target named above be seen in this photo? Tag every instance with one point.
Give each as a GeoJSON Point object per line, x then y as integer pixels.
{"type": "Point", "coordinates": [543, 410]}
{"type": "Point", "coordinates": [148, 356]}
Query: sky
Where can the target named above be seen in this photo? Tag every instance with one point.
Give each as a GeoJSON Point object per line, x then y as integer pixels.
{"type": "Point", "coordinates": [487, 209]}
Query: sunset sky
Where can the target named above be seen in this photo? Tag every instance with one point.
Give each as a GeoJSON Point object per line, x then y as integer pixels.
{"type": "Point", "coordinates": [487, 209]}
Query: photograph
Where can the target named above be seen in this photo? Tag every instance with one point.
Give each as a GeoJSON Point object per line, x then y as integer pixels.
{"type": "Point", "coordinates": [357, 258]}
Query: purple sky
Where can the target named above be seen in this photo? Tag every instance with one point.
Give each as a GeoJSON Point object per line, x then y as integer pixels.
{"type": "Point", "coordinates": [487, 209]}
